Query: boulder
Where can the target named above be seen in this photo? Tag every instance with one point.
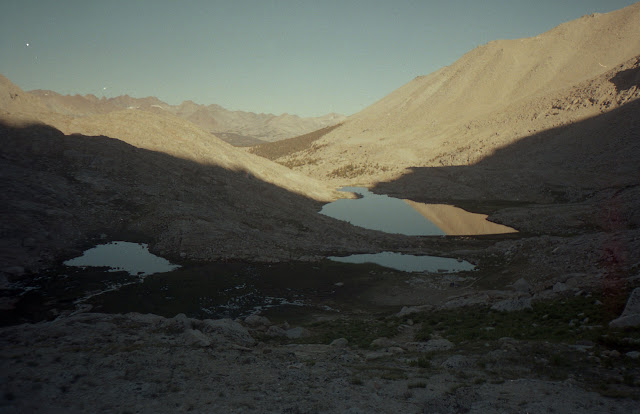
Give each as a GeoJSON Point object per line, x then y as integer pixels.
{"type": "Point", "coordinates": [257, 321]}
{"type": "Point", "coordinates": [625, 321]}
{"type": "Point", "coordinates": [230, 330]}
{"type": "Point", "coordinates": [522, 285]}
{"type": "Point", "coordinates": [455, 361]}
{"type": "Point", "coordinates": [194, 337]}
{"type": "Point", "coordinates": [633, 354]}
{"type": "Point", "coordinates": [383, 343]}
{"type": "Point", "coordinates": [275, 331]}
{"type": "Point", "coordinates": [340, 343]}
{"type": "Point", "coordinates": [631, 314]}
{"type": "Point", "coordinates": [179, 323]}
{"type": "Point", "coordinates": [573, 282]}
{"type": "Point", "coordinates": [298, 332]}
{"type": "Point", "coordinates": [375, 355]}
{"type": "Point", "coordinates": [408, 310]}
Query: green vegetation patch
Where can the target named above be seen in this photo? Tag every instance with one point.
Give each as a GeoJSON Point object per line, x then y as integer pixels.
{"type": "Point", "coordinates": [356, 170]}
{"type": "Point", "coordinates": [356, 381]}
{"type": "Point", "coordinates": [563, 320]}
{"type": "Point", "coordinates": [358, 332]}
{"type": "Point", "coordinates": [422, 362]}
{"type": "Point", "coordinates": [274, 150]}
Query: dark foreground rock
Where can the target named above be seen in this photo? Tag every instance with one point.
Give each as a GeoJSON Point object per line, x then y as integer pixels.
{"type": "Point", "coordinates": [138, 363]}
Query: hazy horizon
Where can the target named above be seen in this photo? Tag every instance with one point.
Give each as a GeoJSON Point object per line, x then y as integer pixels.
{"type": "Point", "coordinates": [301, 58]}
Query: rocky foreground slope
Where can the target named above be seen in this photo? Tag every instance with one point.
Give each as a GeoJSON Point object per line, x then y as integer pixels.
{"type": "Point", "coordinates": [146, 363]}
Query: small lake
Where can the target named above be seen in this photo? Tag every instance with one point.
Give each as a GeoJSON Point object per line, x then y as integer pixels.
{"type": "Point", "coordinates": [408, 263]}
{"type": "Point", "coordinates": [393, 215]}
{"type": "Point", "coordinates": [380, 212]}
{"type": "Point", "coordinates": [286, 290]}
{"type": "Point", "coordinates": [133, 258]}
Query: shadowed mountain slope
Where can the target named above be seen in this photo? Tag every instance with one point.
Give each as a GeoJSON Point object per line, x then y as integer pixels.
{"type": "Point", "coordinates": [60, 192]}
{"type": "Point", "coordinates": [156, 178]}
{"type": "Point", "coordinates": [159, 132]}
{"type": "Point", "coordinates": [174, 136]}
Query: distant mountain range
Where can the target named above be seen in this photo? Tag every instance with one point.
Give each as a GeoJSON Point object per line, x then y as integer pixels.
{"type": "Point", "coordinates": [236, 127]}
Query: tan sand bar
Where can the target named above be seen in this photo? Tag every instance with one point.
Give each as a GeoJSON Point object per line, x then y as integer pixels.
{"type": "Point", "coordinates": [455, 221]}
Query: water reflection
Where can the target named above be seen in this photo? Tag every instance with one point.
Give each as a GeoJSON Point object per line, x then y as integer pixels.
{"type": "Point", "coordinates": [133, 258]}
{"type": "Point", "coordinates": [408, 263]}
{"type": "Point", "coordinates": [380, 212]}
{"type": "Point", "coordinates": [393, 215]}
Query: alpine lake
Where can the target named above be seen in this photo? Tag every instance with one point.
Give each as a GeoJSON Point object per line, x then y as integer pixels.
{"type": "Point", "coordinates": [123, 276]}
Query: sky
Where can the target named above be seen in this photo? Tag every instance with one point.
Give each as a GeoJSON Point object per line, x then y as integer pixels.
{"type": "Point", "coordinates": [301, 57]}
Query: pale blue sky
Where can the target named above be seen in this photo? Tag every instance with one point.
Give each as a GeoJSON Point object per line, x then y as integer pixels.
{"type": "Point", "coordinates": [301, 57]}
